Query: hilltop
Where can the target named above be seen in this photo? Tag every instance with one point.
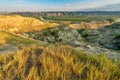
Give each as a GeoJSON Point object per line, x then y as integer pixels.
{"type": "Point", "coordinates": [19, 24]}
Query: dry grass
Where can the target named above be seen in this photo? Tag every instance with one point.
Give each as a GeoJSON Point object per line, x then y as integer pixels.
{"type": "Point", "coordinates": [19, 24]}
{"type": "Point", "coordinates": [16, 40]}
{"type": "Point", "coordinates": [56, 63]}
{"type": "Point", "coordinates": [3, 38]}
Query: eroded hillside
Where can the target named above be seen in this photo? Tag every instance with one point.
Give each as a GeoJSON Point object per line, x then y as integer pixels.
{"type": "Point", "coordinates": [18, 24]}
{"type": "Point", "coordinates": [79, 39]}
{"type": "Point", "coordinates": [90, 25]}
{"type": "Point", "coordinates": [108, 36]}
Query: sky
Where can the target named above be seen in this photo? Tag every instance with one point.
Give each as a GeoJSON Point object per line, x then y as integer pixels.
{"type": "Point", "coordinates": [51, 5]}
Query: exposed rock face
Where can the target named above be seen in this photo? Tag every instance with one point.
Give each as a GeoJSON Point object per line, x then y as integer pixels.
{"type": "Point", "coordinates": [18, 24]}
{"type": "Point", "coordinates": [90, 25]}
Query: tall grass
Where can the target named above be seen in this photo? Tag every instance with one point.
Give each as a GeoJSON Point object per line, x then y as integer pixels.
{"type": "Point", "coordinates": [56, 63]}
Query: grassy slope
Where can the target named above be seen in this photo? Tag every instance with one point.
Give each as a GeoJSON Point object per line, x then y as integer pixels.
{"type": "Point", "coordinates": [19, 24]}
{"type": "Point", "coordinates": [10, 42]}
{"type": "Point", "coordinates": [8, 38]}
{"type": "Point", "coordinates": [56, 63]}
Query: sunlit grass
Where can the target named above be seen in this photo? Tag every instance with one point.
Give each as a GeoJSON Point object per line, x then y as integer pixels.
{"type": "Point", "coordinates": [8, 38]}
{"type": "Point", "coordinates": [56, 63]}
{"type": "Point", "coordinates": [3, 38]}
{"type": "Point", "coordinates": [19, 24]}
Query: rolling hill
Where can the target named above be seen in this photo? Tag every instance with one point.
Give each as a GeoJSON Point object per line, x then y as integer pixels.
{"type": "Point", "coordinates": [90, 25]}
{"type": "Point", "coordinates": [19, 24]}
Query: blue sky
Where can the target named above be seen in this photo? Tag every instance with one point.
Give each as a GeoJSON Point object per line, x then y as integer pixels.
{"type": "Point", "coordinates": [52, 5]}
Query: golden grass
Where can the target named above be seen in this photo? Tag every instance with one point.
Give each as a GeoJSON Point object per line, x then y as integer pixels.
{"type": "Point", "coordinates": [56, 63]}
{"type": "Point", "coordinates": [3, 38]}
{"type": "Point", "coordinates": [9, 38]}
{"type": "Point", "coordinates": [19, 24]}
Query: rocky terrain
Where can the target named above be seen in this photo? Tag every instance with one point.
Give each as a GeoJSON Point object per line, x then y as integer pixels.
{"type": "Point", "coordinates": [61, 34]}
{"type": "Point", "coordinates": [106, 36]}
{"type": "Point", "coordinates": [88, 40]}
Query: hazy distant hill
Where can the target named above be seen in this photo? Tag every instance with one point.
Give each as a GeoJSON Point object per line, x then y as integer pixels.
{"type": "Point", "coordinates": [112, 7]}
